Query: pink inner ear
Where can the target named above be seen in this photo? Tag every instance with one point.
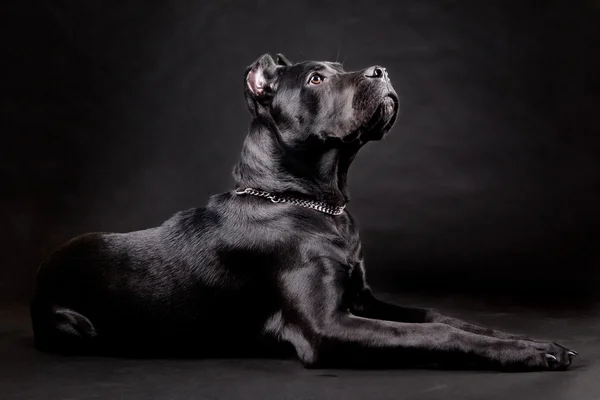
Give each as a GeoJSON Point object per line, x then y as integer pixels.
{"type": "Point", "coordinates": [256, 82]}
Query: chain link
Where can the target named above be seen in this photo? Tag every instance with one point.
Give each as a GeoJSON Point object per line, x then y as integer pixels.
{"type": "Point", "coordinates": [315, 205]}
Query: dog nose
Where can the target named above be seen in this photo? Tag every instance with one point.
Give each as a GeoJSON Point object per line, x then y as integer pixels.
{"type": "Point", "coordinates": [376, 72]}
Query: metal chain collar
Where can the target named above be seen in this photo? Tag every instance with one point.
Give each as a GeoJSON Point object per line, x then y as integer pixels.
{"type": "Point", "coordinates": [315, 205]}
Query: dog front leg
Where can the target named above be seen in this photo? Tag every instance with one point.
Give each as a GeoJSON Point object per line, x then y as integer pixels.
{"type": "Point", "coordinates": [316, 321]}
{"type": "Point", "coordinates": [349, 340]}
{"type": "Point", "coordinates": [368, 306]}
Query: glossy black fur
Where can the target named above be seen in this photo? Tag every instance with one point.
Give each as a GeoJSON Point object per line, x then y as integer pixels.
{"type": "Point", "coordinates": [246, 275]}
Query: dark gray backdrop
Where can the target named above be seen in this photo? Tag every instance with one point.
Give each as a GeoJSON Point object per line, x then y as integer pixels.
{"type": "Point", "coordinates": [117, 114]}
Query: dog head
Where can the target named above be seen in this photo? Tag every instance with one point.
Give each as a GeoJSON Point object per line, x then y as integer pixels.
{"type": "Point", "coordinates": [320, 100]}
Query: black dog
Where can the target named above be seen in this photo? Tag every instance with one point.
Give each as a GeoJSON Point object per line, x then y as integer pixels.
{"type": "Point", "coordinates": [278, 260]}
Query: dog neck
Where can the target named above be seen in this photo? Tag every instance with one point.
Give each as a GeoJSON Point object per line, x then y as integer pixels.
{"type": "Point", "coordinates": [315, 169]}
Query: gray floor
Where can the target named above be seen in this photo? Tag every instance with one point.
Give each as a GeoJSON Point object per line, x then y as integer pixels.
{"type": "Point", "coordinates": [28, 374]}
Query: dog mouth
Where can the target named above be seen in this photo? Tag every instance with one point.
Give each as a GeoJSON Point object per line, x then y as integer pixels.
{"type": "Point", "coordinates": [383, 118]}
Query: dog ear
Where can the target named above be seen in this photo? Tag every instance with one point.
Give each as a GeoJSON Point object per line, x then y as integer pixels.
{"type": "Point", "coordinates": [261, 77]}
{"type": "Point", "coordinates": [281, 60]}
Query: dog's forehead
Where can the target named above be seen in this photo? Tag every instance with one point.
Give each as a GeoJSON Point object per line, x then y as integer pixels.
{"type": "Point", "coordinates": [309, 66]}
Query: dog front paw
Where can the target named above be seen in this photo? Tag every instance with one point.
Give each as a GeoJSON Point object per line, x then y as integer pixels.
{"type": "Point", "coordinates": [547, 356]}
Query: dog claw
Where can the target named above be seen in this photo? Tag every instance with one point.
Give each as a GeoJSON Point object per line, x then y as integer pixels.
{"type": "Point", "coordinates": [573, 353]}
{"type": "Point", "coordinates": [551, 357]}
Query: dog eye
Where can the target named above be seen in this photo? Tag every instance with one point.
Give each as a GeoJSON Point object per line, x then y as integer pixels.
{"type": "Point", "coordinates": [316, 79]}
